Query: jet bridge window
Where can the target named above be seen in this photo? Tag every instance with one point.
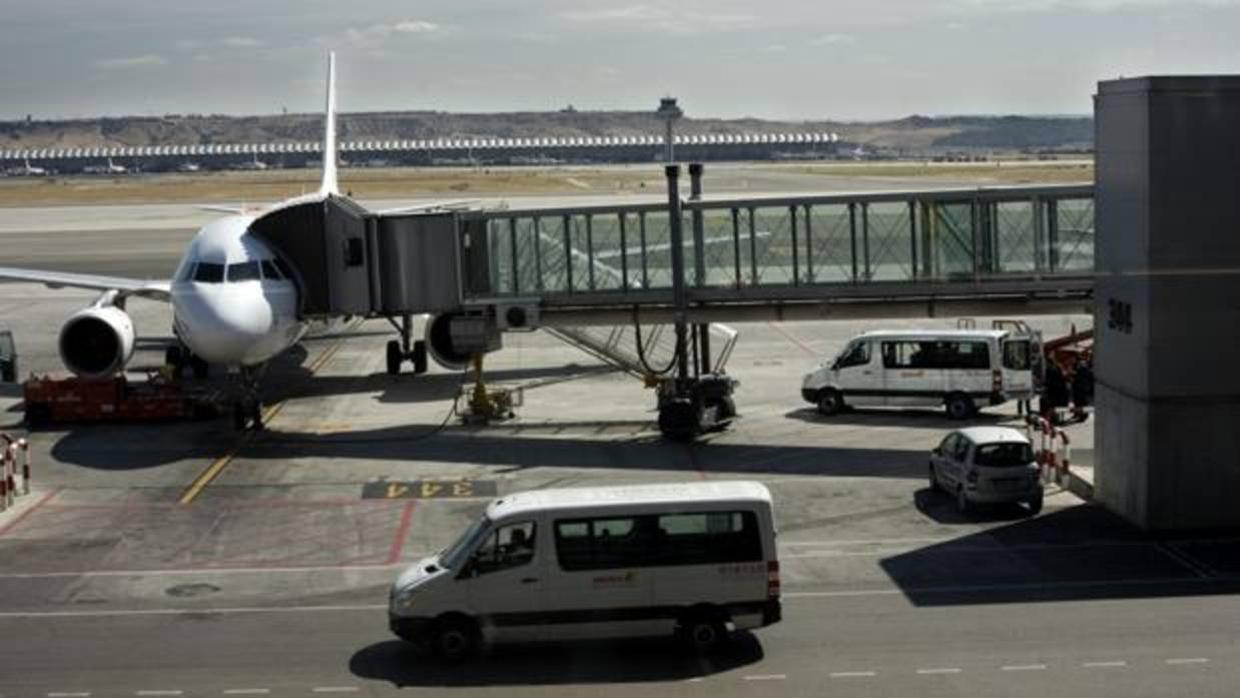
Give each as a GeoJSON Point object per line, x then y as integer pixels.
{"type": "Point", "coordinates": [209, 273]}
{"type": "Point", "coordinates": [244, 271]}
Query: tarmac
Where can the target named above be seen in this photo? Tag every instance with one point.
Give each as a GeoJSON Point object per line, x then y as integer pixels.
{"type": "Point", "coordinates": [186, 559]}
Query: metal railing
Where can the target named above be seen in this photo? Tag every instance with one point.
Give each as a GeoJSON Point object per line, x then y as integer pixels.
{"type": "Point", "coordinates": [765, 246]}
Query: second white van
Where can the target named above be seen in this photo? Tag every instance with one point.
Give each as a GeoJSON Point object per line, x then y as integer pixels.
{"type": "Point", "coordinates": [692, 559]}
{"type": "Point", "coordinates": [960, 370]}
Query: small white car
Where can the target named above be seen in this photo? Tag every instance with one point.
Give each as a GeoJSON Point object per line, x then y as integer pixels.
{"type": "Point", "coordinates": [987, 465]}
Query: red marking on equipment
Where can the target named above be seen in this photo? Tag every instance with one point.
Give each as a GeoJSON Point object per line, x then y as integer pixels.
{"type": "Point", "coordinates": [402, 531]}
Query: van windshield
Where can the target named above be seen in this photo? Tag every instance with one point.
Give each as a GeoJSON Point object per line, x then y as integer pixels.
{"type": "Point", "coordinates": [455, 555]}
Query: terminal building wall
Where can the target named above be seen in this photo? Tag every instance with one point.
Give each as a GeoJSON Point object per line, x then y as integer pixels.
{"type": "Point", "coordinates": [1168, 301]}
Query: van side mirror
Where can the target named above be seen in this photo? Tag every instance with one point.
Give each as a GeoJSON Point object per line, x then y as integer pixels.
{"type": "Point", "coordinates": [938, 451]}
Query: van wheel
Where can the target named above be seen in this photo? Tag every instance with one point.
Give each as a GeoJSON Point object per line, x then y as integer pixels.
{"type": "Point", "coordinates": [830, 402]}
{"type": "Point", "coordinates": [703, 631]}
{"type": "Point", "coordinates": [959, 406]}
{"type": "Point", "coordinates": [455, 639]}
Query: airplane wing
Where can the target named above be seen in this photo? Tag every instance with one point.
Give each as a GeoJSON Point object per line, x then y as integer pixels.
{"type": "Point", "coordinates": [154, 290]}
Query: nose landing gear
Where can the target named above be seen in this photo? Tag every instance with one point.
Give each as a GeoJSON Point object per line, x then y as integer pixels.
{"type": "Point", "coordinates": [248, 409]}
{"type": "Point", "coordinates": [180, 357]}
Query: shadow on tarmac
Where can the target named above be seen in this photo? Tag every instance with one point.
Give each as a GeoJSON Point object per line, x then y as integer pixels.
{"type": "Point", "coordinates": [1074, 554]}
{"type": "Point", "coordinates": [897, 417]}
{"type": "Point", "coordinates": [579, 662]}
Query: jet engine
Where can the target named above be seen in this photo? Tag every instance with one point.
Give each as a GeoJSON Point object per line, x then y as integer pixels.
{"type": "Point", "coordinates": [97, 341]}
{"type": "Point", "coordinates": [438, 337]}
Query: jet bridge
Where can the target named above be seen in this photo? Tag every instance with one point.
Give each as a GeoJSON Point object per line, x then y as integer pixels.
{"type": "Point", "coordinates": [923, 253]}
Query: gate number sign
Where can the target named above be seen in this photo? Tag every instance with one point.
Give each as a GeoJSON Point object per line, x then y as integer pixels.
{"type": "Point", "coordinates": [428, 489]}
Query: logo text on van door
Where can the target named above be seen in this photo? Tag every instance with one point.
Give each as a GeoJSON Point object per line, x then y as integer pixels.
{"type": "Point", "coordinates": [613, 580]}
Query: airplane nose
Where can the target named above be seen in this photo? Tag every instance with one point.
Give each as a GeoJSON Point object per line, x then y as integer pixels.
{"type": "Point", "coordinates": [227, 327]}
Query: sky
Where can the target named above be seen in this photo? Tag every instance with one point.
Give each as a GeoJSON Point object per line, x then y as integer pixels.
{"type": "Point", "coordinates": [783, 59]}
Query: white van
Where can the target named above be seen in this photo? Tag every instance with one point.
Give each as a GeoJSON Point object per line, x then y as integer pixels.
{"type": "Point", "coordinates": [690, 559]}
{"type": "Point", "coordinates": [962, 370]}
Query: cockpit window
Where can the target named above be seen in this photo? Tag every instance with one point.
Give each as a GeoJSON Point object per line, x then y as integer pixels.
{"type": "Point", "coordinates": [270, 271]}
{"type": "Point", "coordinates": [244, 271]}
{"type": "Point", "coordinates": [207, 272]}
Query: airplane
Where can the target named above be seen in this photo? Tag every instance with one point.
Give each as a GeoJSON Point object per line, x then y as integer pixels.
{"type": "Point", "coordinates": [234, 301]}
{"type": "Point", "coordinates": [26, 170]}
{"type": "Point", "coordinates": [255, 164]}
{"type": "Point", "coordinates": [108, 169]}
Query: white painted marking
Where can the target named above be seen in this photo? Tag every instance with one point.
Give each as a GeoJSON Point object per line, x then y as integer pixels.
{"type": "Point", "coordinates": [1188, 660]}
{"type": "Point", "coordinates": [1023, 667]}
{"type": "Point", "coordinates": [247, 691]}
{"type": "Point", "coordinates": [334, 689]}
{"type": "Point", "coordinates": [1185, 560]}
{"type": "Point", "coordinates": [189, 611]}
{"type": "Point", "coordinates": [158, 693]}
{"type": "Point", "coordinates": [695, 679]}
{"type": "Point", "coordinates": [852, 674]}
{"type": "Point", "coordinates": [766, 677]}
{"type": "Point", "coordinates": [1098, 665]}
{"type": "Point", "coordinates": [204, 571]}
{"type": "Point", "coordinates": [940, 670]}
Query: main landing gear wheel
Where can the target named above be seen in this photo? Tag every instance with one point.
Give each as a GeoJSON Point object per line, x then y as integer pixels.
{"type": "Point", "coordinates": [175, 359]}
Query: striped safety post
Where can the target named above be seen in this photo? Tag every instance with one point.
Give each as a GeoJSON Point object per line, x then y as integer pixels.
{"type": "Point", "coordinates": [10, 471]}
{"type": "Point", "coordinates": [1065, 458]}
{"type": "Point", "coordinates": [24, 445]}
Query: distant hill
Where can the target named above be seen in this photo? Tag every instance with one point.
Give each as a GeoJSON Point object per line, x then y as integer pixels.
{"type": "Point", "coordinates": [919, 133]}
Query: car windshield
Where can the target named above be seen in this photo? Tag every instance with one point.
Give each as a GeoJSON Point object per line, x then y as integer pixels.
{"type": "Point", "coordinates": [455, 555]}
{"type": "Point", "coordinates": [1003, 455]}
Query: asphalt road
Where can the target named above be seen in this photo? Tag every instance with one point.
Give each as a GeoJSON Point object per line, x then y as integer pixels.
{"type": "Point", "coordinates": [846, 644]}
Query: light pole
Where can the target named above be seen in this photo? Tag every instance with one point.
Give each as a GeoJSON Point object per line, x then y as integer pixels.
{"type": "Point", "coordinates": [669, 112]}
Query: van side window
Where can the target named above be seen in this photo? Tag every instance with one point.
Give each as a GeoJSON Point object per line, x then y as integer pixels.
{"type": "Point", "coordinates": [509, 546]}
{"type": "Point", "coordinates": [600, 544]}
{"type": "Point", "coordinates": [708, 538]}
{"type": "Point", "coordinates": [938, 355]}
{"type": "Point", "coordinates": [858, 355]}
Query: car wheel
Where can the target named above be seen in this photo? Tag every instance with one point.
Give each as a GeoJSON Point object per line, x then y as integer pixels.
{"type": "Point", "coordinates": [962, 502]}
{"type": "Point", "coordinates": [455, 639]}
{"type": "Point", "coordinates": [959, 406]}
{"type": "Point", "coordinates": [830, 402]}
{"type": "Point", "coordinates": [1035, 505]}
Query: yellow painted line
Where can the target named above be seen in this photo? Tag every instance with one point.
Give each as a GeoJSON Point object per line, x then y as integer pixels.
{"type": "Point", "coordinates": [217, 466]}
{"type": "Point", "coordinates": [196, 487]}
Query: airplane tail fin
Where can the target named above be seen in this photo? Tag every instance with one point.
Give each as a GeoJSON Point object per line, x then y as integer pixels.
{"type": "Point", "coordinates": [330, 185]}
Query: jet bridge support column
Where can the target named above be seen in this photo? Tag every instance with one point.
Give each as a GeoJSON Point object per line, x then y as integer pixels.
{"type": "Point", "coordinates": [689, 405]}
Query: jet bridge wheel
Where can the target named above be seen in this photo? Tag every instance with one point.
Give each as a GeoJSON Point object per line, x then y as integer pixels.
{"type": "Point", "coordinates": [394, 357]}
